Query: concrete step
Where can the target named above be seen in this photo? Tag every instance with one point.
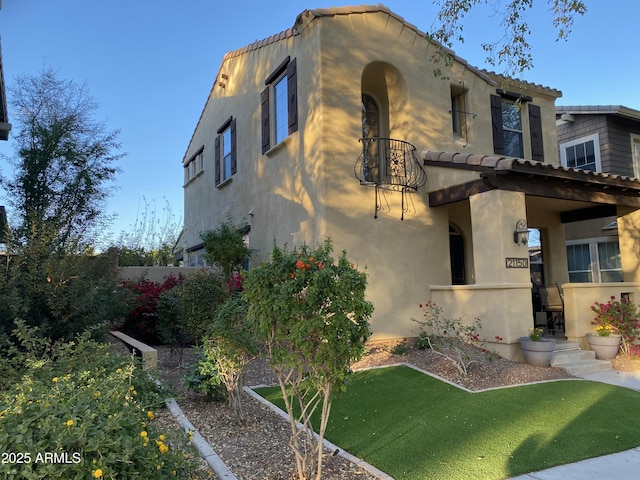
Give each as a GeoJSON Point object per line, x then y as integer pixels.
{"type": "Point", "coordinates": [571, 356]}
{"type": "Point", "coordinates": [586, 367]}
{"type": "Point", "coordinates": [563, 345]}
{"type": "Point", "coordinates": [574, 361]}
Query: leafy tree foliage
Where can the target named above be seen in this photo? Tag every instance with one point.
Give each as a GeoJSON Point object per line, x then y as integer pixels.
{"type": "Point", "coordinates": [63, 165]}
{"type": "Point", "coordinates": [310, 312]}
{"type": "Point", "coordinates": [513, 49]}
{"type": "Point", "coordinates": [225, 247]}
{"type": "Point", "coordinates": [65, 160]}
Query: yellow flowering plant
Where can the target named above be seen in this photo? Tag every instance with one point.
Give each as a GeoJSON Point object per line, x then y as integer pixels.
{"type": "Point", "coordinates": [535, 334]}
{"type": "Point", "coordinates": [95, 436]}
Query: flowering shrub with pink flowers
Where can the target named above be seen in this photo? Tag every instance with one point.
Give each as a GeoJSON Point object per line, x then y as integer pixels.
{"type": "Point", "coordinates": [618, 317]}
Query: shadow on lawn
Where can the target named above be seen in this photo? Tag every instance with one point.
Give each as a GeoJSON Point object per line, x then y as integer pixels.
{"type": "Point", "coordinates": [599, 429]}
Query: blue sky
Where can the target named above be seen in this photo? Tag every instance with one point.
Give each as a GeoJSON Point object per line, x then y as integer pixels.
{"type": "Point", "coordinates": [151, 63]}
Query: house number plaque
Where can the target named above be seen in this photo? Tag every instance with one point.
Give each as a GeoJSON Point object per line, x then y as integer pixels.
{"type": "Point", "coordinates": [514, 262]}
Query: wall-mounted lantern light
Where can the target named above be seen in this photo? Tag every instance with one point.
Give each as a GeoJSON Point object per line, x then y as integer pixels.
{"type": "Point", "coordinates": [521, 234]}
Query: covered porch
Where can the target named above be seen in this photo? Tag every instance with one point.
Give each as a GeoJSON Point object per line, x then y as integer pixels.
{"type": "Point", "coordinates": [491, 202]}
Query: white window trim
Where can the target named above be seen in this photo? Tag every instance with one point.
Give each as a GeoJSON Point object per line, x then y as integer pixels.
{"type": "Point", "coordinates": [596, 275]}
{"type": "Point", "coordinates": [635, 154]}
{"type": "Point", "coordinates": [596, 147]}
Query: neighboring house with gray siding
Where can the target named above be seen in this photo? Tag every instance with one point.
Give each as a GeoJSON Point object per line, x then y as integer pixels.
{"type": "Point", "coordinates": [603, 139]}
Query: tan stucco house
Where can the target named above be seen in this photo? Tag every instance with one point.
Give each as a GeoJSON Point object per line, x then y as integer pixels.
{"type": "Point", "coordinates": [338, 127]}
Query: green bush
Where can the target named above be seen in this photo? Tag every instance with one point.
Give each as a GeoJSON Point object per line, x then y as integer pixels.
{"type": "Point", "coordinates": [205, 378]}
{"type": "Point", "coordinates": [63, 295]}
{"type": "Point", "coordinates": [82, 411]}
{"type": "Point", "coordinates": [203, 292]}
{"type": "Point", "coordinates": [231, 344]}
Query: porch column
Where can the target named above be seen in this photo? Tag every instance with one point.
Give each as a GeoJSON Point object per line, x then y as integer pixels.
{"type": "Point", "coordinates": [629, 241]}
{"type": "Point", "coordinates": [494, 215]}
{"type": "Point", "coordinates": [501, 268]}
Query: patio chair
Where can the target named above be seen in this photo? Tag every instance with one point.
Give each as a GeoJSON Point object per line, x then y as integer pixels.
{"type": "Point", "coordinates": [553, 305]}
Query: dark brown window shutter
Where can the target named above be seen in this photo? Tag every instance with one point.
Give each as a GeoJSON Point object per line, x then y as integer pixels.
{"type": "Point", "coordinates": [217, 159]}
{"type": "Point", "coordinates": [292, 89]}
{"type": "Point", "coordinates": [266, 133]}
{"type": "Point", "coordinates": [496, 123]}
{"type": "Point", "coordinates": [535, 126]}
{"type": "Point", "coordinates": [234, 149]}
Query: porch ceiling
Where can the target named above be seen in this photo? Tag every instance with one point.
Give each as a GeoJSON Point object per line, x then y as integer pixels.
{"type": "Point", "coordinates": [573, 189]}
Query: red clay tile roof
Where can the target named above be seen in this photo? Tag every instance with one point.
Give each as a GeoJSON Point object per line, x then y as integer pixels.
{"type": "Point", "coordinates": [501, 164]}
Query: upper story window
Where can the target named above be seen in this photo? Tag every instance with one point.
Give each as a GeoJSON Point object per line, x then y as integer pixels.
{"type": "Point", "coordinates": [226, 163]}
{"type": "Point", "coordinates": [370, 129]}
{"type": "Point", "coordinates": [512, 129]}
{"type": "Point", "coordinates": [194, 166]}
{"type": "Point", "coordinates": [279, 104]}
{"type": "Point", "coordinates": [582, 153]}
{"type": "Point", "coordinates": [459, 110]}
{"type": "Point", "coordinates": [508, 131]}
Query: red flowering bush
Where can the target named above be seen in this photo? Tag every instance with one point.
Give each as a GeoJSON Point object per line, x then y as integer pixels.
{"type": "Point", "coordinates": [234, 283]}
{"type": "Point", "coordinates": [142, 321]}
{"type": "Point", "coordinates": [310, 312]}
{"type": "Point", "coordinates": [618, 316]}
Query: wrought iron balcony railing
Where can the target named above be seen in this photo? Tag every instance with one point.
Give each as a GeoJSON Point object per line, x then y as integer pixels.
{"type": "Point", "coordinates": [389, 164]}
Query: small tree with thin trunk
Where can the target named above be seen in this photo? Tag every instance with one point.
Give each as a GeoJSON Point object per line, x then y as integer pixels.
{"type": "Point", "coordinates": [310, 312]}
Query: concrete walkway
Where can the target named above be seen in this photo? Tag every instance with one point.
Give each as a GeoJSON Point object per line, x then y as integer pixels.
{"type": "Point", "coordinates": [618, 466]}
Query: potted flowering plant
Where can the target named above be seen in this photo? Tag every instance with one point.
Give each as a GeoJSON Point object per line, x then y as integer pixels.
{"type": "Point", "coordinates": [535, 334]}
{"type": "Point", "coordinates": [536, 349]}
{"type": "Point", "coordinates": [616, 325]}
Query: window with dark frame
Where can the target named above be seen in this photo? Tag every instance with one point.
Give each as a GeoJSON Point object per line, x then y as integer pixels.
{"type": "Point", "coordinates": [279, 104]}
{"type": "Point", "coordinates": [226, 163]}
{"type": "Point", "coordinates": [508, 131]}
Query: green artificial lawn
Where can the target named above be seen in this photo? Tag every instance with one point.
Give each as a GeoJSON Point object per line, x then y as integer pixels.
{"type": "Point", "coordinates": [412, 426]}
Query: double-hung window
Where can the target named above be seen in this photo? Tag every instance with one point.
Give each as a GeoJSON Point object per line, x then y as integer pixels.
{"type": "Point", "coordinates": [279, 102]}
{"type": "Point", "coordinates": [508, 127]}
{"type": "Point", "coordinates": [512, 129]}
{"type": "Point", "coordinates": [194, 166]}
{"type": "Point", "coordinates": [594, 260]}
{"type": "Point", "coordinates": [226, 152]}
{"type": "Point", "coordinates": [582, 153]}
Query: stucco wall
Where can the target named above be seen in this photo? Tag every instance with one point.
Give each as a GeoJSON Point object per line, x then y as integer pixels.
{"type": "Point", "coordinates": [155, 274]}
{"type": "Point", "coordinates": [578, 299]}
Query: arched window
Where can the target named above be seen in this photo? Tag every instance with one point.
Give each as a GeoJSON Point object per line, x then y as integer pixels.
{"type": "Point", "coordinates": [456, 252]}
{"type": "Point", "coordinates": [370, 129]}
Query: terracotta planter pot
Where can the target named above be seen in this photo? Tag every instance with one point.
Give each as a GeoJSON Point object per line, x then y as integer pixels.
{"type": "Point", "coordinates": [606, 348]}
{"type": "Point", "coordinates": [537, 353]}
